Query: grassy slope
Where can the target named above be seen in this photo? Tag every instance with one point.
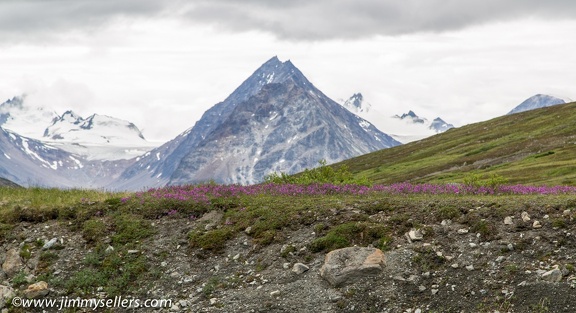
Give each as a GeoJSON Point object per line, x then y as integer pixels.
{"type": "Point", "coordinates": [534, 147]}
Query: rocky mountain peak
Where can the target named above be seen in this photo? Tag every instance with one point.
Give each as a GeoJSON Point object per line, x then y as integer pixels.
{"type": "Point", "coordinates": [412, 117]}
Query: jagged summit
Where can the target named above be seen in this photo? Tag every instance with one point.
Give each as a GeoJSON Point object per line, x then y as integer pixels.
{"type": "Point", "coordinates": [356, 104]}
{"type": "Point", "coordinates": [439, 125]}
{"type": "Point", "coordinates": [96, 129]}
{"type": "Point", "coordinates": [536, 102]}
{"type": "Point", "coordinates": [411, 117]}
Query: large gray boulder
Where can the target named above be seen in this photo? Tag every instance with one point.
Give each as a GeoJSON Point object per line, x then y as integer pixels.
{"type": "Point", "coordinates": [347, 265]}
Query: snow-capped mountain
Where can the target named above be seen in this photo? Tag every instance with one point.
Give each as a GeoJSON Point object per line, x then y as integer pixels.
{"type": "Point", "coordinates": [405, 128]}
{"type": "Point", "coordinates": [536, 102]}
{"type": "Point", "coordinates": [356, 104]}
{"type": "Point", "coordinates": [30, 162]}
{"type": "Point", "coordinates": [98, 137]}
{"type": "Point", "coordinates": [25, 120]}
{"type": "Point", "coordinates": [276, 120]}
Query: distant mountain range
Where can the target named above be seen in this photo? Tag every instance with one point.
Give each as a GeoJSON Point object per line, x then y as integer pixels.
{"type": "Point", "coordinates": [405, 128]}
{"type": "Point", "coordinates": [275, 121]}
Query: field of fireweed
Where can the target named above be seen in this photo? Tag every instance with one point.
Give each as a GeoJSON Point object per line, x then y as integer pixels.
{"type": "Point", "coordinates": [266, 209]}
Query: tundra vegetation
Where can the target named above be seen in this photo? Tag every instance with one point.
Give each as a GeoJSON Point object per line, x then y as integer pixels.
{"type": "Point", "coordinates": [336, 204]}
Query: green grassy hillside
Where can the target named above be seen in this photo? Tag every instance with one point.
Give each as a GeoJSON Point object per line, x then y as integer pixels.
{"type": "Point", "coordinates": [534, 147]}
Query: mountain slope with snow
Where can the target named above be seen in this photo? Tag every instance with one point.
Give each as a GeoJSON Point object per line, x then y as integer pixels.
{"type": "Point", "coordinates": [30, 162]}
{"type": "Point", "coordinates": [98, 137]}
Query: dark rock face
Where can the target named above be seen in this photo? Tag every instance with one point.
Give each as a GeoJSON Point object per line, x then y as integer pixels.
{"type": "Point", "coordinates": [275, 121]}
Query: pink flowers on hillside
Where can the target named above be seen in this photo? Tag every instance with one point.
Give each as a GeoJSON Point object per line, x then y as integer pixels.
{"type": "Point", "coordinates": [203, 194]}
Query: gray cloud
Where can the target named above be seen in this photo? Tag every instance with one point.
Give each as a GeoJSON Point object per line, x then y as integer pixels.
{"type": "Point", "coordinates": [295, 19]}
{"type": "Point", "coordinates": [31, 20]}
{"type": "Point", "coordinates": [329, 19]}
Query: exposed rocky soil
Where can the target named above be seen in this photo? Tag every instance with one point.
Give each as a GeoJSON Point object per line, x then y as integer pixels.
{"type": "Point", "coordinates": [476, 262]}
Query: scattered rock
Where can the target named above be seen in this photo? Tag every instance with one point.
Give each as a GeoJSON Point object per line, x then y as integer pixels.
{"type": "Point", "coordinates": [470, 267]}
{"type": "Point", "coordinates": [299, 268]}
{"type": "Point", "coordinates": [275, 293]}
{"type": "Point", "coordinates": [415, 235]}
{"type": "Point", "coordinates": [463, 231]}
{"type": "Point", "coordinates": [345, 266]}
{"type": "Point", "coordinates": [50, 243]}
{"type": "Point", "coordinates": [525, 216]}
{"type": "Point", "coordinates": [37, 290]}
{"type": "Point", "coordinates": [536, 224]}
{"type": "Point", "coordinates": [508, 220]}
{"type": "Point", "coordinates": [554, 275]}
{"type": "Point", "coordinates": [6, 293]}
{"type": "Point", "coordinates": [13, 263]}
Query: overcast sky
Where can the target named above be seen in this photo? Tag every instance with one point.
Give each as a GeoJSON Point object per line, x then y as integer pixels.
{"type": "Point", "coordinates": [162, 63]}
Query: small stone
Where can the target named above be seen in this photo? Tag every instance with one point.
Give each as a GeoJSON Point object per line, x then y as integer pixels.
{"type": "Point", "coordinates": [37, 290]}
{"type": "Point", "coordinates": [554, 275]}
{"type": "Point", "coordinates": [50, 243]}
{"type": "Point", "coordinates": [236, 257]}
{"type": "Point", "coordinates": [164, 264]}
{"type": "Point", "coordinates": [470, 267]}
{"type": "Point", "coordinates": [546, 216]}
{"type": "Point", "coordinates": [525, 216]}
{"type": "Point", "coordinates": [446, 222]}
{"type": "Point", "coordinates": [286, 265]}
{"type": "Point", "coordinates": [472, 245]}
{"type": "Point", "coordinates": [500, 259]}
{"type": "Point", "coordinates": [133, 251]}
{"type": "Point", "coordinates": [426, 274]}
{"type": "Point", "coordinates": [566, 212]}
{"type": "Point", "coordinates": [455, 265]}
{"type": "Point", "coordinates": [462, 231]}
{"type": "Point", "coordinates": [415, 235]}
{"type": "Point", "coordinates": [510, 247]}
{"type": "Point", "coordinates": [109, 249]}
{"type": "Point", "coordinates": [275, 293]}
{"type": "Point", "coordinates": [434, 291]}
{"type": "Point", "coordinates": [6, 293]}
{"type": "Point", "coordinates": [536, 224]}
{"type": "Point", "coordinates": [422, 288]}
{"type": "Point", "coordinates": [523, 283]}
{"type": "Point", "coordinates": [13, 263]}
{"type": "Point", "coordinates": [299, 268]}
{"type": "Point", "coordinates": [175, 308]}
{"type": "Point", "coordinates": [248, 230]}
{"type": "Point", "coordinates": [508, 220]}
{"type": "Point", "coordinates": [213, 301]}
